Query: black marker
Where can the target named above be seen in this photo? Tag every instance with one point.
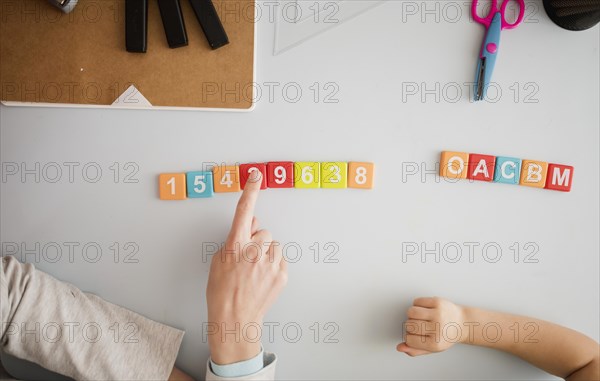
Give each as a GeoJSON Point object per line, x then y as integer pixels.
{"type": "Point", "coordinates": [136, 25]}
{"type": "Point", "coordinates": [210, 23]}
{"type": "Point", "coordinates": [172, 18]}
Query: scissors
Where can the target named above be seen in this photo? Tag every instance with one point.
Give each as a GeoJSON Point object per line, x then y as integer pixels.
{"type": "Point", "coordinates": [494, 22]}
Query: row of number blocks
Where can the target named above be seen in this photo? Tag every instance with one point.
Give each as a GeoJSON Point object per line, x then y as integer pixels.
{"type": "Point", "coordinates": [508, 170]}
{"type": "Point", "coordinates": [278, 174]}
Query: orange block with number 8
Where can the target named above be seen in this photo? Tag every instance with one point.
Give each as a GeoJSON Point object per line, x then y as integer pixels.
{"type": "Point", "coordinates": [226, 178]}
{"type": "Point", "coordinates": [171, 186]}
{"type": "Point", "coordinates": [360, 175]}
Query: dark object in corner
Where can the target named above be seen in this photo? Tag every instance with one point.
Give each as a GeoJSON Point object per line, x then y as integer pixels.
{"type": "Point", "coordinates": [172, 18]}
{"type": "Point", "coordinates": [573, 14]}
{"type": "Point", "coordinates": [64, 5]}
{"type": "Point", "coordinates": [136, 25]}
{"type": "Point", "coordinates": [211, 24]}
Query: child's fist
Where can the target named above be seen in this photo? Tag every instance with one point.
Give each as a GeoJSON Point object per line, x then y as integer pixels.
{"type": "Point", "coordinates": [433, 325]}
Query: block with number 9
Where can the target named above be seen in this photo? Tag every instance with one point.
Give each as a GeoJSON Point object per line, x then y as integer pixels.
{"type": "Point", "coordinates": [334, 175]}
{"type": "Point", "coordinates": [307, 174]}
{"type": "Point", "coordinates": [361, 175]}
{"type": "Point", "coordinates": [171, 186]}
{"type": "Point", "coordinates": [280, 174]}
{"type": "Point", "coordinates": [226, 178]}
{"type": "Point", "coordinates": [199, 184]}
{"type": "Point", "coordinates": [246, 171]}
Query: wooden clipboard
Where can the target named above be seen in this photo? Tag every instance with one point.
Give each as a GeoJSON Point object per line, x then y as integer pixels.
{"type": "Point", "coordinates": [47, 57]}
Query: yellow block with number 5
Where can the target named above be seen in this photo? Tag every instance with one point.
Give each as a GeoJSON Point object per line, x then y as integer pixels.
{"type": "Point", "coordinates": [334, 175]}
{"type": "Point", "coordinates": [307, 174]}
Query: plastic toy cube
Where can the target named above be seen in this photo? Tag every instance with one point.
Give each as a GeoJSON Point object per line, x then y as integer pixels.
{"type": "Point", "coordinates": [559, 177]}
{"type": "Point", "coordinates": [454, 165]}
{"type": "Point", "coordinates": [481, 167]}
{"type": "Point", "coordinates": [246, 171]}
{"type": "Point", "coordinates": [360, 175]}
{"type": "Point", "coordinates": [200, 184]}
{"type": "Point", "coordinates": [171, 186]}
{"type": "Point", "coordinates": [307, 174]}
{"type": "Point", "coordinates": [226, 178]}
{"type": "Point", "coordinates": [334, 175]}
{"type": "Point", "coordinates": [533, 173]}
{"type": "Point", "coordinates": [280, 174]}
{"type": "Point", "coordinates": [507, 170]}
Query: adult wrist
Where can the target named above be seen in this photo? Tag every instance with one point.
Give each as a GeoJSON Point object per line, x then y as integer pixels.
{"type": "Point", "coordinates": [241, 368]}
{"type": "Point", "coordinates": [224, 353]}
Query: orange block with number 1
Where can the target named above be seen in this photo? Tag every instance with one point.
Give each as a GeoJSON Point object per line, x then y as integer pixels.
{"type": "Point", "coordinates": [226, 178]}
{"type": "Point", "coordinates": [360, 175]}
{"type": "Point", "coordinates": [171, 186]}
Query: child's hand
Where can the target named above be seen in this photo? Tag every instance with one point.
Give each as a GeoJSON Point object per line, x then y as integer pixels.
{"type": "Point", "coordinates": [433, 325]}
{"type": "Point", "coordinates": [246, 276]}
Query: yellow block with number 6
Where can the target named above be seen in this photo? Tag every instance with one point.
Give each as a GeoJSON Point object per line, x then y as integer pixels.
{"type": "Point", "coordinates": [307, 174]}
{"type": "Point", "coordinates": [334, 175]}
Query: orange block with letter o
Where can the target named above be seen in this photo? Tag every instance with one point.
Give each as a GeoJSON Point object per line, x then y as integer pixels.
{"type": "Point", "coordinates": [454, 165]}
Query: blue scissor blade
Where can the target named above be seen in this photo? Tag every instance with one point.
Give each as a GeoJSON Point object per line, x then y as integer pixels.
{"type": "Point", "coordinates": [487, 57]}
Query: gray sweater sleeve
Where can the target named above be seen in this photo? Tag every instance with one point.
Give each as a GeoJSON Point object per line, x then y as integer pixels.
{"type": "Point", "coordinates": [79, 335]}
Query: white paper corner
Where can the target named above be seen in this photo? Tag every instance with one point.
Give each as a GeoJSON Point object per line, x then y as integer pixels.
{"type": "Point", "coordinates": [131, 98]}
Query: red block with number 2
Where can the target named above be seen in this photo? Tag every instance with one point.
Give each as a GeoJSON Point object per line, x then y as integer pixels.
{"type": "Point", "coordinates": [246, 170]}
{"type": "Point", "coordinates": [280, 174]}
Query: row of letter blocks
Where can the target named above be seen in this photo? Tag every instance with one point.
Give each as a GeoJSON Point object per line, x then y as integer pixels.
{"type": "Point", "coordinates": [508, 170]}
{"type": "Point", "coordinates": [278, 174]}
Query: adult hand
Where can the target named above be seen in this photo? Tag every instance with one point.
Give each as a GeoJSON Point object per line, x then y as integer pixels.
{"type": "Point", "coordinates": [246, 277]}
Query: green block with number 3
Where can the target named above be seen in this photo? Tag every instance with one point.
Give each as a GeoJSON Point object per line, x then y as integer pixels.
{"type": "Point", "coordinates": [307, 174]}
{"type": "Point", "coordinates": [334, 175]}
{"type": "Point", "coordinates": [200, 184]}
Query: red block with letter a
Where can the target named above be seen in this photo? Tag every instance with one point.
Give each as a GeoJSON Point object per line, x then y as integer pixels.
{"type": "Point", "coordinates": [280, 174]}
{"type": "Point", "coordinates": [559, 177]}
{"type": "Point", "coordinates": [481, 167]}
{"type": "Point", "coordinates": [246, 170]}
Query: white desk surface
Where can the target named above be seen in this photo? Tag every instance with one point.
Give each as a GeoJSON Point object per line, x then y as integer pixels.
{"type": "Point", "coordinates": [365, 295]}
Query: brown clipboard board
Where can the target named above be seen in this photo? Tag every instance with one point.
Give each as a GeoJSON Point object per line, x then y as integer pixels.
{"type": "Point", "coordinates": [48, 57]}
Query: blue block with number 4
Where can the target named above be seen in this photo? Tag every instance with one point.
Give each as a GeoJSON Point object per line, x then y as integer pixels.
{"type": "Point", "coordinates": [200, 184]}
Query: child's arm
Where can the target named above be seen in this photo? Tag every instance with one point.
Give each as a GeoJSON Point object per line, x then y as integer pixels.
{"type": "Point", "coordinates": [435, 324]}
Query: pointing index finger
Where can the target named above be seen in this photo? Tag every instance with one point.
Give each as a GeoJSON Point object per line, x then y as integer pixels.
{"type": "Point", "coordinates": [244, 213]}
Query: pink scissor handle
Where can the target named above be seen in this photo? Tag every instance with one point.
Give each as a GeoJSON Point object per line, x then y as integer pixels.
{"type": "Point", "coordinates": [507, 25]}
{"type": "Point", "coordinates": [487, 20]}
